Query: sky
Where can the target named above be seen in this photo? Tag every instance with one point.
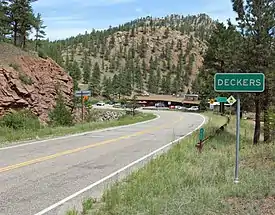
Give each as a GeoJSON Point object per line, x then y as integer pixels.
{"type": "Point", "coordinates": [65, 18]}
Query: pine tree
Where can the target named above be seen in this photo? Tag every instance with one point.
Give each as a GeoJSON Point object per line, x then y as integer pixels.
{"type": "Point", "coordinates": [4, 24]}
{"type": "Point", "coordinates": [139, 80]}
{"type": "Point", "coordinates": [107, 87]}
{"type": "Point", "coordinates": [255, 18]}
{"type": "Point", "coordinates": [21, 19]}
{"type": "Point", "coordinates": [39, 32]}
{"type": "Point", "coordinates": [67, 61]}
{"type": "Point", "coordinates": [86, 72]}
{"type": "Point", "coordinates": [158, 80]}
{"type": "Point", "coordinates": [152, 85]}
{"type": "Point", "coordinates": [128, 80]}
{"type": "Point", "coordinates": [75, 71]}
{"type": "Point", "coordinates": [95, 80]}
{"type": "Point", "coordinates": [112, 42]}
{"type": "Point", "coordinates": [116, 85]}
{"type": "Point", "coordinates": [166, 84]}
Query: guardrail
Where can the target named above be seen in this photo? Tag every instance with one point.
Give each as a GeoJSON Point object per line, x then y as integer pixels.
{"type": "Point", "coordinates": [201, 143]}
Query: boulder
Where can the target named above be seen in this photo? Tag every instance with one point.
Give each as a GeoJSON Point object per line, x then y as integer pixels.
{"type": "Point", "coordinates": [32, 84]}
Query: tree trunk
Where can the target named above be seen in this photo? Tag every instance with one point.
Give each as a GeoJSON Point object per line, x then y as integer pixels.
{"type": "Point", "coordinates": [257, 130]}
{"type": "Point", "coordinates": [15, 34]}
{"type": "Point", "coordinates": [36, 45]}
{"type": "Point", "coordinates": [266, 104]}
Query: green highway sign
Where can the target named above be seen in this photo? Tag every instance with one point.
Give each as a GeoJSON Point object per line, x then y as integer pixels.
{"type": "Point", "coordinates": [221, 99]}
{"type": "Point", "coordinates": [239, 82]}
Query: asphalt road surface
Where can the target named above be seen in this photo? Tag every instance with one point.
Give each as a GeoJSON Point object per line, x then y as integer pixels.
{"type": "Point", "coordinates": [34, 177]}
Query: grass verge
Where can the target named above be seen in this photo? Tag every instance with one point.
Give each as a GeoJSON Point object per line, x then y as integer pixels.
{"type": "Point", "coordinates": [8, 135]}
{"type": "Point", "coordinates": [185, 182]}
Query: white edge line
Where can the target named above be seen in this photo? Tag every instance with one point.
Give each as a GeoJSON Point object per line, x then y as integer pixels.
{"type": "Point", "coordinates": [118, 171]}
{"type": "Point", "coordinates": [77, 134]}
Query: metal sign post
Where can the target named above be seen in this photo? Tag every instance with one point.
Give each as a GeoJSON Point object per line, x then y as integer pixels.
{"type": "Point", "coordinates": [82, 93]}
{"type": "Point", "coordinates": [236, 180]}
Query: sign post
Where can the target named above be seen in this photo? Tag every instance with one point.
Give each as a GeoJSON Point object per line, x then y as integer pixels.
{"type": "Point", "coordinates": [238, 83]}
{"type": "Point", "coordinates": [82, 93]}
{"type": "Point", "coordinates": [201, 134]}
{"type": "Point", "coordinates": [236, 180]}
{"type": "Point", "coordinates": [222, 101]}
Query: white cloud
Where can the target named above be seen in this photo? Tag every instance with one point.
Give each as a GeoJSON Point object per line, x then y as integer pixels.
{"type": "Point", "coordinates": [64, 20]}
{"type": "Point", "coordinates": [139, 10]}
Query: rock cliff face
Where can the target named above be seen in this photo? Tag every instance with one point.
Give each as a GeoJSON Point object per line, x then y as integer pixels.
{"type": "Point", "coordinates": [31, 83]}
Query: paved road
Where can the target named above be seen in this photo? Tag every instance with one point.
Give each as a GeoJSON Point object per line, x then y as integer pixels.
{"type": "Point", "coordinates": [34, 177]}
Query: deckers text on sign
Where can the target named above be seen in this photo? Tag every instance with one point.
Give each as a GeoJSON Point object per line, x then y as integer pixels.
{"type": "Point", "coordinates": [239, 82]}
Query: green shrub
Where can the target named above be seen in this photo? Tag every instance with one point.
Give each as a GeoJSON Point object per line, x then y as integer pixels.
{"type": "Point", "coordinates": [61, 115]}
{"type": "Point", "coordinates": [25, 79]}
{"type": "Point", "coordinates": [87, 205]}
{"type": "Point", "coordinates": [203, 105]}
{"type": "Point", "coordinates": [42, 54]}
{"type": "Point", "coordinates": [23, 119]}
{"type": "Point", "coordinates": [15, 66]}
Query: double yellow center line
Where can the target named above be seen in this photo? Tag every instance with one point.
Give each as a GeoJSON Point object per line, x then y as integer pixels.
{"type": "Point", "coordinates": [71, 151]}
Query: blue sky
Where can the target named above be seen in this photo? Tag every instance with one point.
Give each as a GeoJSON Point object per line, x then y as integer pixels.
{"type": "Point", "coordinates": [65, 18]}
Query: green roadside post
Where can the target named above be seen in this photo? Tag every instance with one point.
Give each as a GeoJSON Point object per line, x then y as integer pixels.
{"type": "Point", "coordinates": [201, 136]}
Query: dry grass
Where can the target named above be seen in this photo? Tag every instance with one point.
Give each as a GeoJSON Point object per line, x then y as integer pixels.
{"type": "Point", "coordinates": [9, 52]}
{"type": "Point", "coordinates": [185, 182]}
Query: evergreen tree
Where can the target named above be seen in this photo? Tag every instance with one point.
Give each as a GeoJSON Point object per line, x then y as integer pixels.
{"type": "Point", "coordinates": [39, 30]}
{"type": "Point", "coordinates": [86, 73]}
{"type": "Point", "coordinates": [127, 82]}
{"type": "Point", "coordinates": [61, 115]}
{"type": "Point", "coordinates": [75, 71]}
{"type": "Point", "coordinates": [116, 85]}
{"type": "Point", "coordinates": [95, 80]}
{"type": "Point", "coordinates": [166, 84]}
{"type": "Point", "coordinates": [152, 86]}
{"type": "Point", "coordinates": [67, 61]}
{"type": "Point", "coordinates": [255, 18]}
{"type": "Point", "coordinates": [4, 24]}
{"type": "Point", "coordinates": [21, 19]}
{"type": "Point", "coordinates": [139, 80]}
{"type": "Point", "coordinates": [107, 87]}
{"type": "Point", "coordinates": [158, 80]}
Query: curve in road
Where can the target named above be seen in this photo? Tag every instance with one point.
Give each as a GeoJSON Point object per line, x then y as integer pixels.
{"type": "Point", "coordinates": [40, 178]}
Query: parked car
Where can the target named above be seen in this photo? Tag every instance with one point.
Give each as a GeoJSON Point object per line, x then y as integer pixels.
{"type": "Point", "coordinates": [159, 104]}
{"type": "Point", "coordinates": [100, 104]}
{"type": "Point", "coordinates": [193, 108]}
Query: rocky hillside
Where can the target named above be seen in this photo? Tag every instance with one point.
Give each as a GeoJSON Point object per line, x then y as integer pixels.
{"type": "Point", "coordinates": [160, 55]}
{"type": "Point", "coordinates": [28, 81]}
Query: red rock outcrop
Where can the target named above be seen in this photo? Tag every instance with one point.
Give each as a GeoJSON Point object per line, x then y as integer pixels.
{"type": "Point", "coordinates": [33, 85]}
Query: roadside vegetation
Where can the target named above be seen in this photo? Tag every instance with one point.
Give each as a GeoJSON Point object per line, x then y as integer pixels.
{"type": "Point", "coordinates": [186, 182]}
{"type": "Point", "coordinates": [24, 125]}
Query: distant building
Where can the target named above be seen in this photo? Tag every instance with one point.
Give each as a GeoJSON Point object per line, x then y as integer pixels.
{"type": "Point", "coordinates": [191, 97]}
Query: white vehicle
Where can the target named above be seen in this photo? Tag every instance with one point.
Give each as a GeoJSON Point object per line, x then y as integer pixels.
{"type": "Point", "coordinates": [100, 104]}
{"type": "Point", "coordinates": [193, 108]}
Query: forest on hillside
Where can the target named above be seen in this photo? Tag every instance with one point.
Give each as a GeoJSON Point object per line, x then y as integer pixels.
{"type": "Point", "coordinates": [161, 55]}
